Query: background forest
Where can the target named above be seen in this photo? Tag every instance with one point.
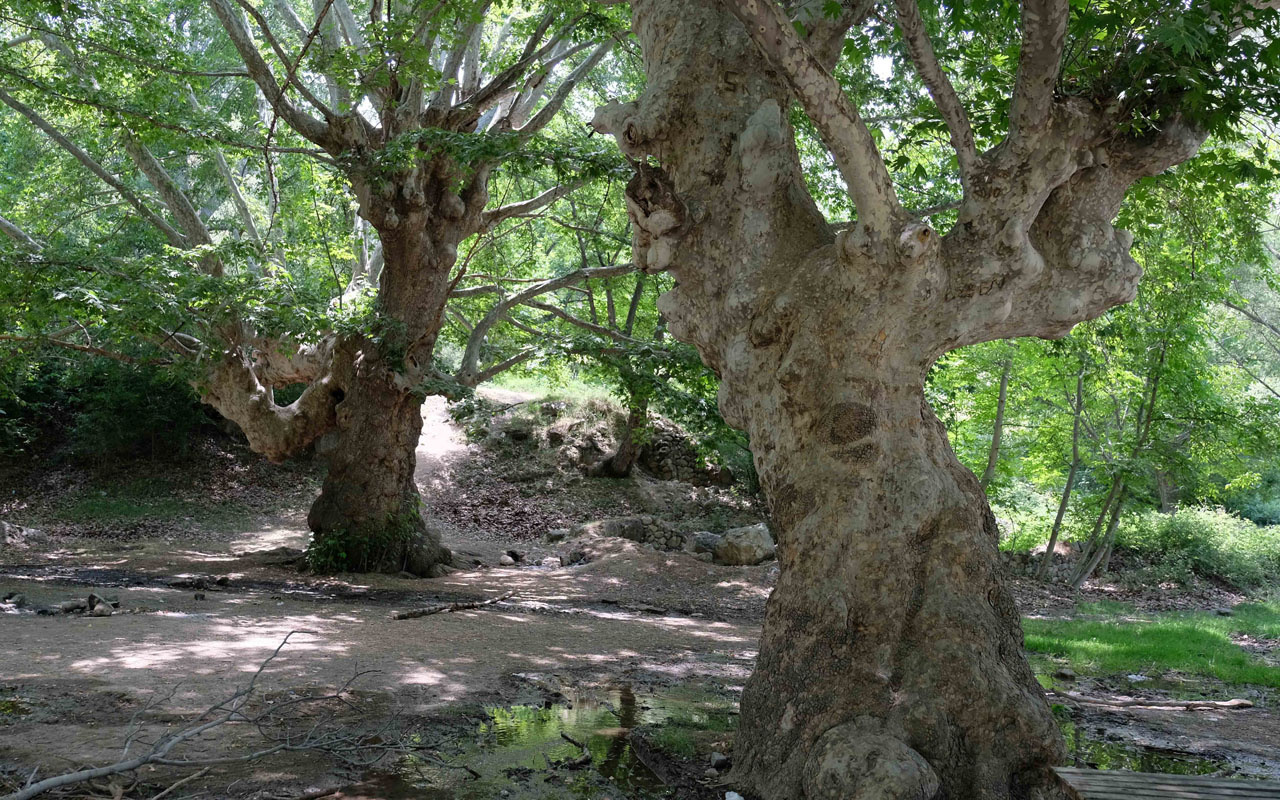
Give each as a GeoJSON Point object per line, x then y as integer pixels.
{"type": "Point", "coordinates": [1151, 431]}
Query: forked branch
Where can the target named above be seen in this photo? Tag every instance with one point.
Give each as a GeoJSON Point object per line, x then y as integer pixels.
{"type": "Point", "coordinates": [824, 100]}
{"type": "Point", "coordinates": [1044, 34]}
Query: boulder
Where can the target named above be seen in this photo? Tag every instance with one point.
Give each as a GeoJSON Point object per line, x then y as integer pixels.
{"type": "Point", "coordinates": [705, 541]}
{"type": "Point", "coordinates": [745, 546]}
{"type": "Point", "coordinates": [506, 560]}
{"type": "Point", "coordinates": [557, 534]}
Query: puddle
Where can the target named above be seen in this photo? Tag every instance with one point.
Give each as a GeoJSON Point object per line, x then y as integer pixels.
{"type": "Point", "coordinates": [13, 708]}
{"type": "Point", "coordinates": [515, 745]}
{"type": "Point", "coordinates": [1086, 750]}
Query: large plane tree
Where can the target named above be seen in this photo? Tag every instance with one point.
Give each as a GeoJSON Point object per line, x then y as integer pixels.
{"type": "Point", "coordinates": [416, 106]}
{"type": "Point", "coordinates": [891, 662]}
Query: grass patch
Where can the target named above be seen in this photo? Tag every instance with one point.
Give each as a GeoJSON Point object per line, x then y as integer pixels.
{"type": "Point", "coordinates": [1196, 643]}
{"type": "Point", "coordinates": [688, 731]}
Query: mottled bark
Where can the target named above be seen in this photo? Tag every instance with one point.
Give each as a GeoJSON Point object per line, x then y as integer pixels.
{"type": "Point", "coordinates": [891, 660]}
{"type": "Point", "coordinates": [368, 516]}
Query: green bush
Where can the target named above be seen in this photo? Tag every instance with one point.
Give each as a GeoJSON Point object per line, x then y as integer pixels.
{"type": "Point", "coordinates": [97, 409]}
{"type": "Point", "coordinates": [1204, 542]}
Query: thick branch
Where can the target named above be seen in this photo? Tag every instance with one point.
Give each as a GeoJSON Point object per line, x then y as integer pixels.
{"type": "Point", "coordinates": [19, 235]}
{"type": "Point", "coordinates": [176, 239]}
{"type": "Point", "coordinates": [842, 129]}
{"type": "Point", "coordinates": [491, 219]}
{"type": "Point", "coordinates": [305, 124]}
{"type": "Point", "coordinates": [1044, 33]}
{"type": "Point", "coordinates": [557, 101]}
{"type": "Point", "coordinates": [939, 85]}
{"type": "Point", "coordinates": [1252, 316]}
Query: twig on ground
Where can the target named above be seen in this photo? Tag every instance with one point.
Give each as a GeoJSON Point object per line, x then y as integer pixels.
{"type": "Point", "coordinates": [445, 607]}
{"type": "Point", "coordinates": [1166, 705]}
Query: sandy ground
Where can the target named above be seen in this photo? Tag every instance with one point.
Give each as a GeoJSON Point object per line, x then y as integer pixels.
{"type": "Point", "coordinates": [74, 684]}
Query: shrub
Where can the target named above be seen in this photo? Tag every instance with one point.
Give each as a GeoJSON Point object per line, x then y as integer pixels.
{"type": "Point", "coordinates": [98, 409]}
{"type": "Point", "coordinates": [1204, 542]}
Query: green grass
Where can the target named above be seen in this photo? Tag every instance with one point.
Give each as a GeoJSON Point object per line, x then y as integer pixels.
{"type": "Point", "coordinates": [1195, 643]}
{"type": "Point", "coordinates": [570, 389]}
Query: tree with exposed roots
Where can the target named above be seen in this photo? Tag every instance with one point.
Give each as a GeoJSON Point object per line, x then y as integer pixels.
{"type": "Point", "coordinates": [417, 106]}
{"type": "Point", "coordinates": [891, 661]}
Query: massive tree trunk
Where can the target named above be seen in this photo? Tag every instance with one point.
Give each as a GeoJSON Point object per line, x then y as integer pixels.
{"type": "Point", "coordinates": [890, 638]}
{"type": "Point", "coordinates": [368, 517]}
{"type": "Point", "coordinates": [891, 661]}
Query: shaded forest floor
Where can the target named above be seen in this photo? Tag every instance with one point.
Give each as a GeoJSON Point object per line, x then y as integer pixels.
{"type": "Point", "coordinates": [638, 655]}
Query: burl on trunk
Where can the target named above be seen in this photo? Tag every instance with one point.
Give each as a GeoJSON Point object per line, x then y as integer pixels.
{"type": "Point", "coordinates": [891, 662]}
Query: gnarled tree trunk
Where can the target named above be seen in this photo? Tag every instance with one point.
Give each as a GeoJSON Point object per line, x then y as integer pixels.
{"type": "Point", "coordinates": [891, 659]}
{"type": "Point", "coordinates": [368, 517]}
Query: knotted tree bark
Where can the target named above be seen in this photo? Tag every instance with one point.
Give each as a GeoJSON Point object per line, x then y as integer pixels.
{"type": "Point", "coordinates": [891, 661]}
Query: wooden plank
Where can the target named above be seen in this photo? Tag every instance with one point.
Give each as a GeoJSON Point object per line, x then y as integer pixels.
{"type": "Point", "coordinates": [1090, 784]}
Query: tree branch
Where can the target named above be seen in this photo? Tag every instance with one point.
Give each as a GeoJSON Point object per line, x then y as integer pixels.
{"type": "Point", "coordinates": [19, 235]}
{"type": "Point", "coordinates": [491, 219]}
{"type": "Point", "coordinates": [557, 101]}
{"type": "Point", "coordinates": [306, 125]}
{"type": "Point", "coordinates": [939, 85]}
{"type": "Point", "coordinates": [1044, 33]}
{"type": "Point", "coordinates": [176, 239]}
{"type": "Point", "coordinates": [823, 99]}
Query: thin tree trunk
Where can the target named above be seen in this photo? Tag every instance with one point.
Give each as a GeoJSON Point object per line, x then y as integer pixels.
{"type": "Point", "coordinates": [1094, 541]}
{"type": "Point", "coordinates": [993, 455]}
{"type": "Point", "coordinates": [1043, 569]}
{"type": "Point", "coordinates": [620, 463]}
{"type": "Point", "coordinates": [1104, 548]}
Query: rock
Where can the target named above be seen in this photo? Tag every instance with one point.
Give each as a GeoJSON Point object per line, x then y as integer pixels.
{"type": "Point", "coordinates": [18, 536]}
{"type": "Point", "coordinates": [733, 796]}
{"type": "Point", "coordinates": [223, 581]}
{"type": "Point", "coordinates": [847, 763]}
{"type": "Point", "coordinates": [719, 760]}
{"type": "Point", "coordinates": [711, 773]}
{"type": "Point", "coordinates": [15, 599]}
{"type": "Point", "coordinates": [516, 555]}
{"type": "Point", "coordinates": [557, 534]}
{"type": "Point", "coordinates": [707, 557]}
{"type": "Point", "coordinates": [440, 570]}
{"type": "Point", "coordinates": [72, 606]}
{"type": "Point", "coordinates": [1224, 612]}
{"type": "Point", "coordinates": [745, 546]}
{"type": "Point", "coordinates": [102, 610]}
{"type": "Point", "coordinates": [632, 528]}
{"type": "Point", "coordinates": [705, 541]}
{"type": "Point", "coordinates": [577, 557]}
{"type": "Point", "coordinates": [675, 542]}
{"type": "Point", "coordinates": [1065, 674]}
{"type": "Point", "coordinates": [551, 561]}
{"type": "Point", "coordinates": [506, 560]}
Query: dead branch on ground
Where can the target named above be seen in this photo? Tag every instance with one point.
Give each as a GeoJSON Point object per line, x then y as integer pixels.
{"type": "Point", "coordinates": [414, 613]}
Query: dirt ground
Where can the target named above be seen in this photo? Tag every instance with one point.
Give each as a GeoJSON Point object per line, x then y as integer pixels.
{"type": "Point", "coordinates": [73, 687]}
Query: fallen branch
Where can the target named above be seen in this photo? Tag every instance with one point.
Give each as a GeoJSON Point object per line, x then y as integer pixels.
{"type": "Point", "coordinates": [414, 613]}
{"type": "Point", "coordinates": [1159, 705]}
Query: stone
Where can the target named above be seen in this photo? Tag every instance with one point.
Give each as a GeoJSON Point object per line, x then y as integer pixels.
{"type": "Point", "coordinates": [71, 606]}
{"type": "Point", "coordinates": [578, 557]}
{"type": "Point", "coordinates": [16, 599]}
{"type": "Point", "coordinates": [719, 760]}
{"type": "Point", "coordinates": [551, 561]}
{"type": "Point", "coordinates": [745, 546]}
{"type": "Point", "coordinates": [711, 773]}
{"type": "Point", "coordinates": [705, 541]}
{"type": "Point", "coordinates": [440, 570]}
{"type": "Point", "coordinates": [707, 557]}
{"type": "Point", "coordinates": [846, 763]}
{"type": "Point", "coordinates": [674, 542]}
{"type": "Point", "coordinates": [516, 555]}
{"type": "Point", "coordinates": [1065, 674]}
{"type": "Point", "coordinates": [506, 560]}
{"type": "Point", "coordinates": [733, 796]}
{"type": "Point", "coordinates": [102, 610]}
{"type": "Point", "coordinates": [557, 534]}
